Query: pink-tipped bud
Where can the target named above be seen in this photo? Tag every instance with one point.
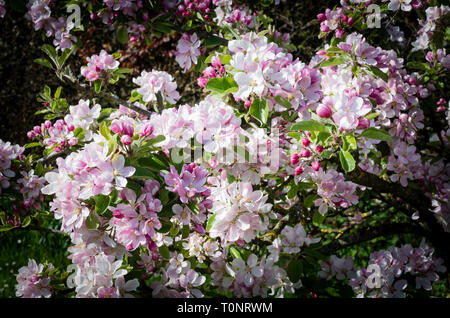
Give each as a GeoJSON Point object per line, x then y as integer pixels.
{"type": "Point", "coordinates": [73, 141]}
{"type": "Point", "coordinates": [215, 61]}
{"type": "Point", "coordinates": [305, 153]}
{"type": "Point", "coordinates": [31, 134]}
{"type": "Point", "coordinates": [306, 142]}
{"type": "Point", "coordinates": [126, 140]}
{"type": "Point", "coordinates": [323, 111]}
{"type": "Point", "coordinates": [344, 18]}
{"type": "Point", "coordinates": [350, 21]}
{"type": "Point", "coordinates": [321, 52]}
{"type": "Point", "coordinates": [440, 109]}
{"type": "Point", "coordinates": [117, 214]}
{"type": "Point", "coordinates": [322, 17]}
{"type": "Point", "coordinates": [339, 34]}
{"type": "Point", "coordinates": [248, 103]}
{"type": "Point", "coordinates": [319, 148]}
{"type": "Point", "coordinates": [294, 159]}
{"type": "Point", "coordinates": [57, 149]}
{"type": "Point", "coordinates": [47, 124]}
{"type": "Point", "coordinates": [70, 128]}
{"type": "Point", "coordinates": [316, 166]}
{"type": "Point", "coordinates": [201, 81]}
{"type": "Point", "coordinates": [363, 123]}
{"type": "Point", "coordinates": [298, 170]}
{"type": "Point", "coordinates": [441, 101]}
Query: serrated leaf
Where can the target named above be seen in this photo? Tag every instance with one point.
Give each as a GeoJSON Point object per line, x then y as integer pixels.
{"type": "Point", "coordinates": [122, 35]}
{"type": "Point", "coordinates": [26, 221]}
{"type": "Point", "coordinates": [222, 85]}
{"type": "Point", "coordinates": [210, 223]}
{"type": "Point", "coordinates": [283, 102]}
{"type": "Point", "coordinates": [32, 145]}
{"type": "Point", "coordinates": [347, 161]}
{"type": "Point", "coordinates": [213, 41]}
{"type": "Point", "coordinates": [44, 62]}
{"type": "Point", "coordinates": [164, 251]}
{"type": "Point", "coordinates": [102, 203]}
{"type": "Point", "coordinates": [143, 173]}
{"type": "Point", "coordinates": [309, 125]}
{"type": "Point", "coordinates": [260, 110]}
{"type": "Point", "coordinates": [375, 133]}
{"type": "Point", "coordinates": [235, 253]}
{"type": "Point", "coordinates": [309, 200]}
{"type": "Point", "coordinates": [92, 221]}
{"type": "Point", "coordinates": [294, 270]}
{"type": "Point", "coordinates": [332, 61]}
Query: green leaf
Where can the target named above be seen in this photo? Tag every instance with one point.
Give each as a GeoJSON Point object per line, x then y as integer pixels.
{"type": "Point", "coordinates": [347, 161]}
{"type": "Point", "coordinates": [32, 145]}
{"type": "Point", "coordinates": [213, 41]}
{"type": "Point", "coordinates": [26, 221]}
{"type": "Point", "coordinates": [98, 85]}
{"type": "Point", "coordinates": [185, 231]}
{"type": "Point", "coordinates": [375, 133]}
{"type": "Point", "coordinates": [309, 200]}
{"type": "Point", "coordinates": [164, 251]}
{"type": "Point", "coordinates": [92, 221]}
{"type": "Point", "coordinates": [318, 218]}
{"type": "Point", "coordinates": [332, 62]}
{"type": "Point", "coordinates": [260, 110]}
{"type": "Point", "coordinates": [294, 270]}
{"type": "Point", "coordinates": [153, 163]}
{"type": "Point", "coordinates": [112, 146]}
{"type": "Point", "coordinates": [122, 35]}
{"type": "Point", "coordinates": [104, 130]}
{"type": "Point", "coordinates": [133, 185]}
{"type": "Point", "coordinates": [222, 85]}
{"type": "Point", "coordinates": [283, 102]}
{"type": "Point", "coordinates": [143, 173]}
{"type": "Point", "coordinates": [44, 62]}
{"type": "Point", "coordinates": [210, 223]}
{"type": "Point", "coordinates": [309, 125]}
{"type": "Point", "coordinates": [379, 73]}
{"type": "Point", "coordinates": [235, 253]}
{"type": "Point", "coordinates": [349, 143]}
{"type": "Point", "coordinates": [65, 55]}
{"type": "Point", "coordinates": [102, 203]}
{"type": "Point", "coordinates": [6, 228]}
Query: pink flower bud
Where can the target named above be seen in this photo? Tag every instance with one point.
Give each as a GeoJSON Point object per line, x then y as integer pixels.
{"type": "Point", "coordinates": [73, 141]}
{"type": "Point", "coordinates": [209, 72]}
{"type": "Point", "coordinates": [31, 134]}
{"type": "Point", "coordinates": [306, 142]}
{"type": "Point", "coordinates": [324, 28]}
{"type": "Point", "coordinates": [298, 170]}
{"type": "Point", "coordinates": [350, 21]}
{"type": "Point", "coordinates": [319, 148]}
{"type": "Point", "coordinates": [305, 153]}
{"type": "Point", "coordinates": [363, 123]}
{"type": "Point", "coordinates": [57, 149]}
{"type": "Point", "coordinates": [145, 16]}
{"type": "Point", "coordinates": [339, 33]}
{"type": "Point", "coordinates": [323, 111]}
{"type": "Point", "coordinates": [441, 101]}
{"type": "Point", "coordinates": [322, 17]}
{"type": "Point", "coordinates": [201, 81]}
{"type": "Point", "coordinates": [70, 128]}
{"type": "Point", "coordinates": [215, 61]}
{"type": "Point", "coordinates": [344, 18]}
{"type": "Point", "coordinates": [248, 103]}
{"type": "Point", "coordinates": [117, 214]}
{"type": "Point", "coordinates": [440, 109]}
{"type": "Point", "coordinates": [47, 124]}
{"type": "Point", "coordinates": [316, 166]}
{"type": "Point", "coordinates": [37, 130]}
{"type": "Point", "coordinates": [126, 140]}
{"type": "Point", "coordinates": [321, 52]}
{"type": "Point", "coordinates": [294, 159]}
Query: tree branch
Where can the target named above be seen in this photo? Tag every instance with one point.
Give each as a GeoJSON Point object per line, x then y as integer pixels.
{"type": "Point", "coordinates": [369, 233]}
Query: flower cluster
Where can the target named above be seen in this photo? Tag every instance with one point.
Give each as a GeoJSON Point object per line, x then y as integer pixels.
{"type": "Point", "coordinates": [39, 13]}
{"type": "Point", "coordinates": [188, 49]}
{"type": "Point", "coordinates": [425, 33]}
{"type": "Point", "coordinates": [154, 82]}
{"type": "Point", "coordinates": [8, 153]}
{"type": "Point", "coordinates": [99, 66]}
{"type": "Point", "coordinates": [33, 281]}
